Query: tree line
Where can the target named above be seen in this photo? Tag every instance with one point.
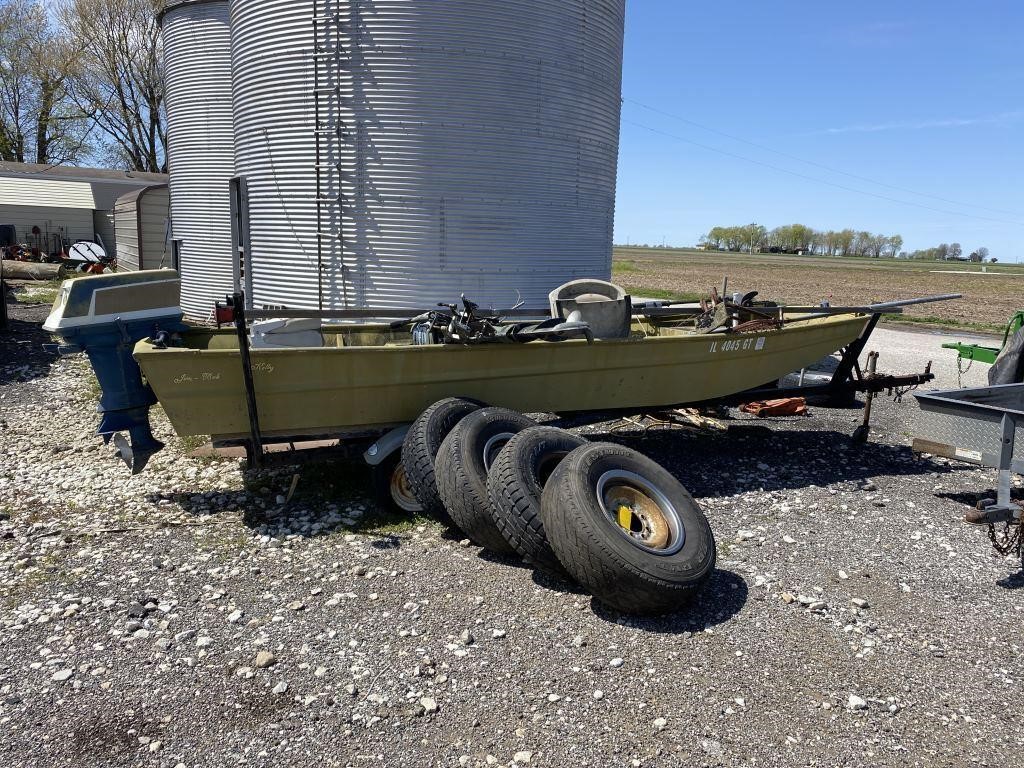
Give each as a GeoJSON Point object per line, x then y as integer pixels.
{"type": "Point", "coordinates": [799, 238]}
{"type": "Point", "coordinates": [951, 251]}
{"type": "Point", "coordinates": [82, 82]}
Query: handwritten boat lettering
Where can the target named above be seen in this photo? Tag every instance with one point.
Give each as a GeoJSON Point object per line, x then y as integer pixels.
{"type": "Point", "coordinates": [738, 345]}
{"type": "Point", "coordinates": [263, 367]}
{"type": "Point", "coordinates": [186, 378]}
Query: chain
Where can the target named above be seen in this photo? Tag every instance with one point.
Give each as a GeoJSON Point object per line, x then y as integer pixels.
{"type": "Point", "coordinates": [1010, 543]}
{"type": "Point", "coordinates": [961, 371]}
{"type": "Point", "coordinates": [899, 392]}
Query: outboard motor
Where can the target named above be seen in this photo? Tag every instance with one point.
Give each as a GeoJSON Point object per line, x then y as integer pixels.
{"type": "Point", "coordinates": [106, 316]}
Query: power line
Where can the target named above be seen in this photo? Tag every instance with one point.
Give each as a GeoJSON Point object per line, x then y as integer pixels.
{"type": "Point", "coordinates": [816, 180]}
{"type": "Point", "coordinates": [816, 164]}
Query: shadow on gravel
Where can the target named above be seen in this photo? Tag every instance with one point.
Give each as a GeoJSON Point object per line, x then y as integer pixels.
{"type": "Point", "coordinates": [556, 585]}
{"type": "Point", "coordinates": [22, 357]}
{"type": "Point", "coordinates": [753, 456]}
{"type": "Point", "coordinates": [1013, 581]}
{"type": "Point", "coordinates": [513, 561]}
{"type": "Point", "coordinates": [971, 498]}
{"type": "Point", "coordinates": [723, 597]}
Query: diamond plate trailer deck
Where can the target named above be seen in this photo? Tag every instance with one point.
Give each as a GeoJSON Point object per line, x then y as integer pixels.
{"type": "Point", "coordinates": [982, 426]}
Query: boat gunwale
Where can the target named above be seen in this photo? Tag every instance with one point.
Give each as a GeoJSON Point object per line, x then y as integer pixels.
{"type": "Point", "coordinates": [144, 348]}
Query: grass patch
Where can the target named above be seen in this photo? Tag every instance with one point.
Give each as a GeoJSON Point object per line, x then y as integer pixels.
{"type": "Point", "coordinates": [190, 443]}
{"type": "Point", "coordinates": [619, 267]}
{"type": "Point", "coordinates": [388, 523]}
{"type": "Point", "coordinates": [38, 293]}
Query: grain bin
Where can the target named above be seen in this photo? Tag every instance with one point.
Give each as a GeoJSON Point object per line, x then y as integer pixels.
{"type": "Point", "coordinates": [200, 149]}
{"type": "Point", "coordinates": [396, 153]}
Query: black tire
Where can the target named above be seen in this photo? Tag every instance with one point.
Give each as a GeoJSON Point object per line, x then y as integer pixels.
{"type": "Point", "coordinates": [419, 449]}
{"type": "Point", "coordinates": [461, 472]}
{"type": "Point", "coordinates": [391, 487]}
{"type": "Point", "coordinates": [514, 487]}
{"type": "Point", "coordinates": [613, 564]}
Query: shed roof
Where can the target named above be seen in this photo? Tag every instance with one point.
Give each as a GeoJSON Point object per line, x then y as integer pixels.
{"type": "Point", "coordinates": [51, 186]}
{"type": "Point", "coordinates": [132, 198]}
{"type": "Point", "coordinates": [73, 173]}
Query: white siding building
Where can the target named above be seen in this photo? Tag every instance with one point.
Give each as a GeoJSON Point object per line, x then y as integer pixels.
{"type": "Point", "coordinates": [52, 207]}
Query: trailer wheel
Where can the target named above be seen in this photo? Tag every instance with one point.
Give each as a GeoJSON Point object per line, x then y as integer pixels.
{"type": "Point", "coordinates": [391, 486]}
{"type": "Point", "coordinates": [627, 530]}
{"type": "Point", "coordinates": [419, 449]}
{"type": "Point", "coordinates": [514, 487]}
{"type": "Point", "coordinates": [463, 461]}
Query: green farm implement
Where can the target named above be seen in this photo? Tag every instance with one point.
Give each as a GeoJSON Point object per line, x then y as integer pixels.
{"type": "Point", "coordinates": [987, 354]}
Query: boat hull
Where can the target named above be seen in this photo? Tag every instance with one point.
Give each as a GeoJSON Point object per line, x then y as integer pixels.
{"type": "Point", "coordinates": [347, 389]}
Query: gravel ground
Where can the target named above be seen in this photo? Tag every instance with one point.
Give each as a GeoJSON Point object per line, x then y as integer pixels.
{"type": "Point", "coordinates": [190, 617]}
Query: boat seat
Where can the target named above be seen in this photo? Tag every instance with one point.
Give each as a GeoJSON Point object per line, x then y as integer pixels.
{"type": "Point", "coordinates": [603, 306]}
{"type": "Point", "coordinates": [286, 334]}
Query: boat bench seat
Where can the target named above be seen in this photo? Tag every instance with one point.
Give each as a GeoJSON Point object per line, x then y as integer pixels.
{"type": "Point", "coordinates": [286, 334]}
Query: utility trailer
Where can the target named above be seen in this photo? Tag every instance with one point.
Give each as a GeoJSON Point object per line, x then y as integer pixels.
{"type": "Point", "coordinates": [982, 426]}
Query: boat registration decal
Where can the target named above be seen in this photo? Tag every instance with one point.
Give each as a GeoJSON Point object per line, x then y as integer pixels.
{"type": "Point", "coordinates": [187, 378]}
{"type": "Point", "coordinates": [738, 345]}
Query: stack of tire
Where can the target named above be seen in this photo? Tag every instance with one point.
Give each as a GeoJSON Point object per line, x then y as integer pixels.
{"type": "Point", "coordinates": [599, 514]}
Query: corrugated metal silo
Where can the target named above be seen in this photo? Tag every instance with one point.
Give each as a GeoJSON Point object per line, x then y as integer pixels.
{"type": "Point", "coordinates": [200, 148]}
{"type": "Point", "coordinates": [436, 147]}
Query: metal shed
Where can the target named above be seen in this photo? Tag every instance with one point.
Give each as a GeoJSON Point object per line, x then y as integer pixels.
{"type": "Point", "coordinates": [141, 219]}
{"type": "Point", "coordinates": [51, 207]}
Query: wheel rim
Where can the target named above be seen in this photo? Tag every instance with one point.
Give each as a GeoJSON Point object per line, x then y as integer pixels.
{"type": "Point", "coordinates": [641, 512]}
{"type": "Point", "coordinates": [548, 465]}
{"type": "Point", "coordinates": [401, 493]}
{"type": "Point", "coordinates": [493, 447]}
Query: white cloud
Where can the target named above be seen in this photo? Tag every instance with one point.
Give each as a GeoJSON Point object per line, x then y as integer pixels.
{"type": "Point", "coordinates": [918, 125]}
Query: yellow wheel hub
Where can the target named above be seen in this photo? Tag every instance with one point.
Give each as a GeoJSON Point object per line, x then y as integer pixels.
{"type": "Point", "coordinates": [639, 515]}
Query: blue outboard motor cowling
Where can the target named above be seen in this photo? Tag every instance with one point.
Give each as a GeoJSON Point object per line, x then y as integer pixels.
{"type": "Point", "coordinates": [105, 316]}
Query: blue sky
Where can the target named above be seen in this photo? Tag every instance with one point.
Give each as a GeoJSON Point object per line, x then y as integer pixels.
{"type": "Point", "coordinates": [927, 97]}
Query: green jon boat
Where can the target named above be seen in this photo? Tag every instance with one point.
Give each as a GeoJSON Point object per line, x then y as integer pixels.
{"type": "Point", "coordinates": [371, 377]}
{"type": "Point", "coordinates": [304, 378]}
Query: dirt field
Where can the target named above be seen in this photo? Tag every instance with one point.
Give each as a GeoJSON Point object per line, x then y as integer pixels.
{"type": "Point", "coordinates": [988, 301]}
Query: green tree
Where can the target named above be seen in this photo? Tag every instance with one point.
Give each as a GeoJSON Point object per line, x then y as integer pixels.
{"type": "Point", "coordinates": [895, 245]}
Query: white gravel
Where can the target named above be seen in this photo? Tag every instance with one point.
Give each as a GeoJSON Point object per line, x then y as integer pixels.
{"type": "Point", "coordinates": [854, 619]}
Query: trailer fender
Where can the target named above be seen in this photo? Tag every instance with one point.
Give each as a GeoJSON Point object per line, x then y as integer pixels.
{"type": "Point", "coordinates": [386, 446]}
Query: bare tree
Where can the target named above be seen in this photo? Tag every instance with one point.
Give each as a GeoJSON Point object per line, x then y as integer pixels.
{"type": "Point", "coordinates": [37, 120]}
{"type": "Point", "coordinates": [119, 83]}
{"type": "Point", "coordinates": [16, 22]}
